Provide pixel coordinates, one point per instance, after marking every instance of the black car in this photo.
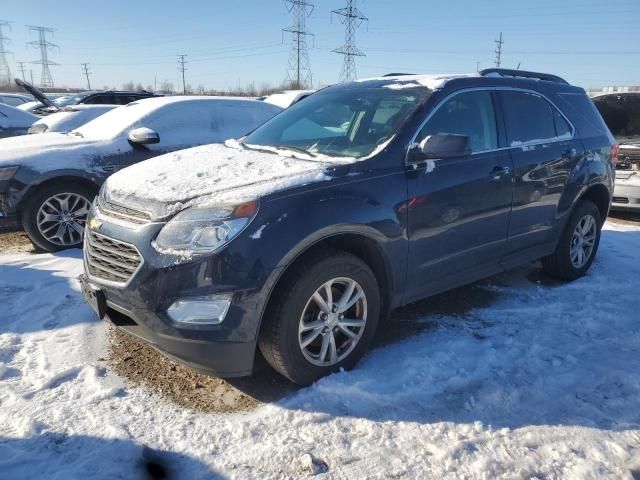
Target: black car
(299, 239)
(92, 97)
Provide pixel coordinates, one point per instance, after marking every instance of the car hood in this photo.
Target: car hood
(45, 152)
(207, 175)
(37, 94)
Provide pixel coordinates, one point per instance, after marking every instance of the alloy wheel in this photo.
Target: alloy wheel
(332, 322)
(583, 241)
(61, 218)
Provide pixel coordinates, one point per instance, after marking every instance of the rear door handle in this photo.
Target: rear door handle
(498, 172)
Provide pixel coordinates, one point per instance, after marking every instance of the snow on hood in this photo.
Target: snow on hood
(207, 175)
(49, 150)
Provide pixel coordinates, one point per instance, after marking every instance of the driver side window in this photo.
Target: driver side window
(468, 113)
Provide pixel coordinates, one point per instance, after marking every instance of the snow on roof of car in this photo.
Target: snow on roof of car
(120, 118)
(432, 82)
(287, 98)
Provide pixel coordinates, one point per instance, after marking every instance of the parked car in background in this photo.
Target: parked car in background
(621, 113)
(110, 97)
(287, 98)
(14, 122)
(47, 182)
(69, 118)
(363, 197)
(13, 99)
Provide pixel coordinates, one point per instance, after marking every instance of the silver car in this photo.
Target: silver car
(621, 112)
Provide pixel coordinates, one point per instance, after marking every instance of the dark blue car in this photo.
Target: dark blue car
(301, 237)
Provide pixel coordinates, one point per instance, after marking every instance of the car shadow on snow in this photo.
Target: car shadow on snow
(58, 455)
(516, 350)
(37, 293)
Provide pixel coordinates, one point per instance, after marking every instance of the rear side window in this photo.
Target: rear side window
(468, 113)
(563, 129)
(101, 99)
(528, 117)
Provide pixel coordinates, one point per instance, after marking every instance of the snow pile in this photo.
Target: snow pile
(288, 98)
(206, 175)
(543, 383)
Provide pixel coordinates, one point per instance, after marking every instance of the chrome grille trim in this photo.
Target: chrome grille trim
(109, 260)
(124, 213)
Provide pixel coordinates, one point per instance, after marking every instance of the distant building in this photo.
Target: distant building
(614, 89)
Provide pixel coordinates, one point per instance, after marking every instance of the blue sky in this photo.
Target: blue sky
(590, 42)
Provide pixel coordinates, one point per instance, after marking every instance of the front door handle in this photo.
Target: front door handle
(498, 172)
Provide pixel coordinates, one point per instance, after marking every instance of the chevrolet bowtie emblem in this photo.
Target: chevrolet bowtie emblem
(95, 224)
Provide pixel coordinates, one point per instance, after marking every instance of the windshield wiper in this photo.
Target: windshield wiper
(296, 149)
(76, 134)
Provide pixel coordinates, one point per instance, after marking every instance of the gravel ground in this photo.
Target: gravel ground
(142, 366)
(15, 242)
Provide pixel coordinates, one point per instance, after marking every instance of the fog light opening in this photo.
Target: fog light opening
(209, 310)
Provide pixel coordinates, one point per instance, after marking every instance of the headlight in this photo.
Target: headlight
(204, 230)
(7, 172)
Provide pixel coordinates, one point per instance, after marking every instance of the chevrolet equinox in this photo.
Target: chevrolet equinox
(298, 239)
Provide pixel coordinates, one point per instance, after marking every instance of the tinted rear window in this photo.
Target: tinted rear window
(528, 117)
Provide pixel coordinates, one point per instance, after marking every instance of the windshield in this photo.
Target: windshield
(342, 122)
(114, 122)
(621, 113)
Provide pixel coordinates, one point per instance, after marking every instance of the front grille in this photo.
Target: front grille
(110, 259)
(123, 213)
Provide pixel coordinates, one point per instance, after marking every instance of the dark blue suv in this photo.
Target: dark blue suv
(299, 239)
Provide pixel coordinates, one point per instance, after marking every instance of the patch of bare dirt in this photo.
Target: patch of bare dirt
(141, 365)
(15, 242)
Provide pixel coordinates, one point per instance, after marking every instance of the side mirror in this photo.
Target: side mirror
(144, 136)
(440, 145)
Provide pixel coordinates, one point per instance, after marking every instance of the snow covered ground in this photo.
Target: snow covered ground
(542, 383)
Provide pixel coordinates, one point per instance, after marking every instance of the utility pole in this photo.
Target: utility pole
(22, 70)
(299, 69)
(85, 70)
(31, 74)
(352, 18)
(5, 71)
(499, 43)
(181, 68)
(477, 66)
(44, 45)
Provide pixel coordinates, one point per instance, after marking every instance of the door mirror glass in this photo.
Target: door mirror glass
(144, 136)
(441, 145)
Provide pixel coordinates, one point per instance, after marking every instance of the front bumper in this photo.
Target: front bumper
(139, 306)
(8, 218)
(626, 193)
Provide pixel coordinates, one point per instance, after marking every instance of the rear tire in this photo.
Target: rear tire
(578, 244)
(54, 216)
(309, 333)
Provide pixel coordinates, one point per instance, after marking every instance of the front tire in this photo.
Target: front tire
(54, 217)
(578, 244)
(323, 317)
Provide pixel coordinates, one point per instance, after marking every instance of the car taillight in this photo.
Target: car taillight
(615, 148)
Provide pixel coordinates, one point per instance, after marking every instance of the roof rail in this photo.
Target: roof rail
(507, 72)
(397, 74)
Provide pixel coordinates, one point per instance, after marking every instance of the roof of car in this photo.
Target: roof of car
(169, 99)
(435, 82)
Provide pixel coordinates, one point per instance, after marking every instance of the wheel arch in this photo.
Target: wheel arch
(362, 245)
(59, 180)
(600, 196)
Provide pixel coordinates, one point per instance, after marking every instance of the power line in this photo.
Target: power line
(299, 70)
(86, 72)
(352, 18)
(182, 69)
(44, 45)
(5, 71)
(499, 43)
